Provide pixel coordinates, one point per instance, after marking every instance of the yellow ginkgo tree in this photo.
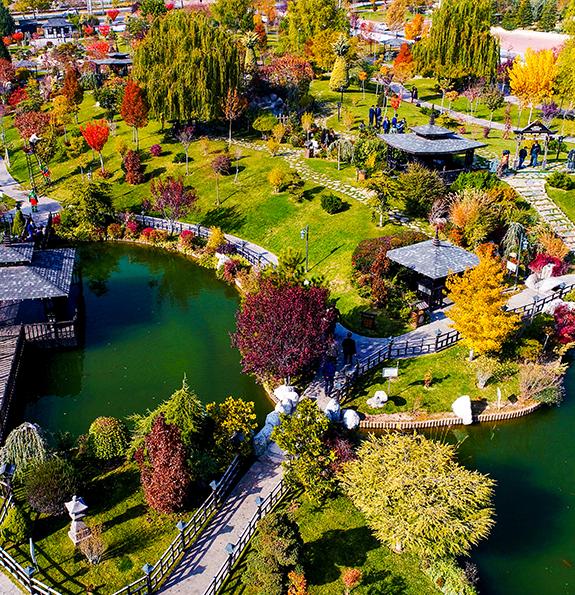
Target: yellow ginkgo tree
(478, 312)
(532, 79)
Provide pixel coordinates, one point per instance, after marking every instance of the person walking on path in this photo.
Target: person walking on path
(535, 152)
(571, 160)
(377, 116)
(349, 349)
(386, 125)
(522, 157)
(329, 370)
(33, 202)
(371, 116)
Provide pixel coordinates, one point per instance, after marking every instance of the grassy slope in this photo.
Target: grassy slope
(336, 537)
(132, 532)
(564, 199)
(452, 374)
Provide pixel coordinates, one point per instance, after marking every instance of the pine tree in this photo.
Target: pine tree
(339, 79)
(478, 298)
(7, 26)
(459, 43)
(524, 15)
(549, 16)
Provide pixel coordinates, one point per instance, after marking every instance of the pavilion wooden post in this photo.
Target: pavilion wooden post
(546, 150)
(517, 145)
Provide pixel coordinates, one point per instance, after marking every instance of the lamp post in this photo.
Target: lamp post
(147, 568)
(304, 234)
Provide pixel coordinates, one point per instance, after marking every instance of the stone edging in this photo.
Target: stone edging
(379, 422)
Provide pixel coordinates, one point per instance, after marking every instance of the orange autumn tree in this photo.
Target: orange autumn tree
(134, 109)
(96, 134)
(403, 64)
(414, 28)
(478, 311)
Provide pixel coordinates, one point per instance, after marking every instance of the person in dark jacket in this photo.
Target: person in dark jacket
(349, 349)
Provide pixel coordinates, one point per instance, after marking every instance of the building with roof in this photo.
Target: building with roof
(431, 262)
(434, 146)
(59, 28)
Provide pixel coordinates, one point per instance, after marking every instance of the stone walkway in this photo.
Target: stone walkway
(531, 186)
(202, 562)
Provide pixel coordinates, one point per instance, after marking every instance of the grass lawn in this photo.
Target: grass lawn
(564, 199)
(132, 532)
(336, 537)
(6, 203)
(452, 374)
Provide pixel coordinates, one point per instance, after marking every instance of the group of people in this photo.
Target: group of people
(326, 138)
(533, 153)
(32, 232)
(329, 367)
(376, 120)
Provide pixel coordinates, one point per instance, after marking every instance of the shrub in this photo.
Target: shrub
(277, 178)
(158, 236)
(222, 165)
(296, 141)
(265, 123)
(542, 260)
(18, 224)
(25, 445)
(273, 146)
(155, 150)
(186, 239)
(332, 204)
(421, 187)
(93, 547)
(232, 267)
(449, 577)
(146, 234)
(16, 527)
(108, 438)
(428, 379)
(542, 382)
(114, 231)
(478, 180)
(104, 174)
(216, 240)
(121, 146)
(485, 369)
(227, 248)
(562, 180)
(49, 484)
(529, 350)
(132, 228)
(132, 164)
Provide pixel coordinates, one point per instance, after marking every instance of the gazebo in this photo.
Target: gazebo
(435, 147)
(534, 130)
(432, 261)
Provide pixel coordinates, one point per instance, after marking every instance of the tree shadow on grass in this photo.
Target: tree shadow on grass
(228, 218)
(383, 582)
(128, 515)
(154, 173)
(336, 549)
(330, 253)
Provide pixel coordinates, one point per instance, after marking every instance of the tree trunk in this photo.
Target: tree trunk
(381, 218)
(471, 355)
(530, 114)
(187, 162)
(230, 133)
(101, 161)
(217, 190)
(137, 137)
(397, 547)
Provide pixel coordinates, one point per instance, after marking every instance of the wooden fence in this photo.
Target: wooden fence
(151, 581)
(261, 259)
(266, 506)
(538, 304)
(53, 334)
(24, 576)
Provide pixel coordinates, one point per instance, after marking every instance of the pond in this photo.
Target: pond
(150, 317)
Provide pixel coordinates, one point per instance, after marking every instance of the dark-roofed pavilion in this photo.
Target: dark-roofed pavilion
(432, 261)
(434, 146)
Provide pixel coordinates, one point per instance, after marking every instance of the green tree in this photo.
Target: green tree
(386, 189)
(302, 435)
(417, 498)
(24, 445)
(339, 79)
(18, 223)
(49, 484)
(524, 16)
(91, 204)
(459, 43)
(306, 18)
(186, 65)
(277, 549)
(7, 26)
(237, 15)
(419, 189)
(152, 8)
(549, 16)
(108, 438)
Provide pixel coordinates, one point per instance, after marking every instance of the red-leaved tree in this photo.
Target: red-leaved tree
(29, 123)
(283, 330)
(171, 197)
(133, 166)
(72, 89)
(112, 14)
(542, 260)
(134, 109)
(96, 134)
(104, 30)
(404, 56)
(163, 470)
(564, 324)
(291, 73)
(233, 107)
(98, 50)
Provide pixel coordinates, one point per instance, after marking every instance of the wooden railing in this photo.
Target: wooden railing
(538, 304)
(252, 256)
(24, 576)
(266, 506)
(52, 334)
(150, 582)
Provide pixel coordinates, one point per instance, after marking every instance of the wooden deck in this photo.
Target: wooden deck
(11, 347)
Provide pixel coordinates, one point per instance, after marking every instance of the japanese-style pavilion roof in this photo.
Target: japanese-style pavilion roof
(49, 275)
(536, 127)
(434, 259)
(418, 144)
(14, 254)
(113, 61)
(432, 131)
(58, 22)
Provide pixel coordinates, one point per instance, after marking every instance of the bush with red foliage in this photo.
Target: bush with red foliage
(98, 50)
(283, 330)
(155, 150)
(132, 165)
(542, 260)
(132, 228)
(343, 450)
(17, 96)
(290, 73)
(163, 470)
(104, 30)
(187, 239)
(29, 123)
(564, 324)
(112, 14)
(17, 36)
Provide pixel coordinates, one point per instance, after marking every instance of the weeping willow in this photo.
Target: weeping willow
(459, 43)
(186, 65)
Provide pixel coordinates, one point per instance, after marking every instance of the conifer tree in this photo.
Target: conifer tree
(7, 26)
(524, 17)
(549, 16)
(339, 79)
(459, 43)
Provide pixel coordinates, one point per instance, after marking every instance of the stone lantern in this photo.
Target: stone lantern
(77, 510)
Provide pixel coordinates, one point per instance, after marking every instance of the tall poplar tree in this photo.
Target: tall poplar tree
(185, 65)
(459, 43)
(7, 26)
(524, 17)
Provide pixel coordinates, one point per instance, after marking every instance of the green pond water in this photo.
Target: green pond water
(153, 316)
(150, 318)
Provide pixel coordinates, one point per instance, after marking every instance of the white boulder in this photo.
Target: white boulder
(378, 400)
(285, 393)
(333, 410)
(222, 259)
(285, 407)
(462, 408)
(350, 419)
